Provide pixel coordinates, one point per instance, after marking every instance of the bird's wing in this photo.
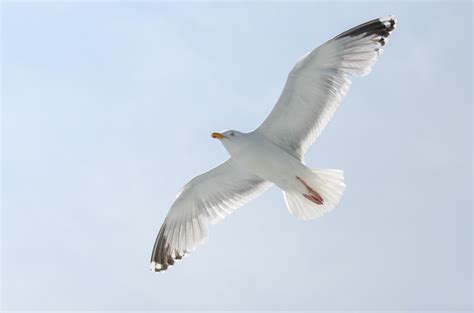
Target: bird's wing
(207, 198)
(317, 83)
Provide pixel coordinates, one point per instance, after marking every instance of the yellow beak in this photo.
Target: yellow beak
(217, 135)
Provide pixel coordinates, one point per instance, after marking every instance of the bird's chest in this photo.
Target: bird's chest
(269, 162)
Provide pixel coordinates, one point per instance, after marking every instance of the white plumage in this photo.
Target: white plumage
(273, 153)
(207, 198)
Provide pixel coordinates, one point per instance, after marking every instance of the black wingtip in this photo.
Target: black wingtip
(162, 260)
(381, 27)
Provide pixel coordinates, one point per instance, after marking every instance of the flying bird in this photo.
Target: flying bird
(273, 153)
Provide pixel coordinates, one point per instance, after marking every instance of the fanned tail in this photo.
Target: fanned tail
(324, 192)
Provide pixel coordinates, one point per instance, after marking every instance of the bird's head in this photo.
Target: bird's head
(230, 139)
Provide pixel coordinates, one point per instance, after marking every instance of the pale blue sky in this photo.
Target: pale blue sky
(107, 110)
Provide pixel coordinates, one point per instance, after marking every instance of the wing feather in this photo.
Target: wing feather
(207, 198)
(319, 81)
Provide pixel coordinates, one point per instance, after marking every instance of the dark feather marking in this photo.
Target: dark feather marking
(374, 27)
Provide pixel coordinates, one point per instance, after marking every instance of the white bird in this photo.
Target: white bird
(273, 153)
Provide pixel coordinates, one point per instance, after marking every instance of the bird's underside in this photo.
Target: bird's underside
(275, 150)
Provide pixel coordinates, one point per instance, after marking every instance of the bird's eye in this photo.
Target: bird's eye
(232, 133)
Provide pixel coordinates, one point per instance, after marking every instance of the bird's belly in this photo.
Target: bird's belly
(271, 163)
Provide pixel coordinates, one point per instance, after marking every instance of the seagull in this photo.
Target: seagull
(273, 153)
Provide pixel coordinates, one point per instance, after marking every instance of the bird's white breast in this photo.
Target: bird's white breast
(265, 159)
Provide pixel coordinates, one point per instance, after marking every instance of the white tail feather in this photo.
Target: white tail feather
(328, 183)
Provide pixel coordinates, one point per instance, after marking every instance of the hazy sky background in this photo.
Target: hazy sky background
(107, 112)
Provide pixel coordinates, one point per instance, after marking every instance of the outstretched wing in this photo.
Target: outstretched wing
(317, 83)
(207, 198)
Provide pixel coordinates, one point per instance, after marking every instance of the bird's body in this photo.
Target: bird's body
(263, 158)
(273, 153)
(256, 154)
